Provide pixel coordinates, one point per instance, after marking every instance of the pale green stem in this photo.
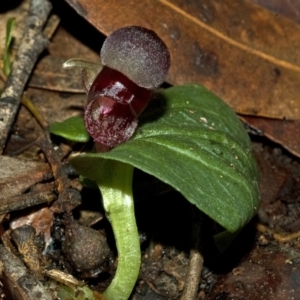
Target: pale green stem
(116, 189)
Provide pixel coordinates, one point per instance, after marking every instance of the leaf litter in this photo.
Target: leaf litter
(255, 262)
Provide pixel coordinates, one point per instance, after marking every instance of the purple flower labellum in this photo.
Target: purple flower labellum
(114, 103)
(135, 61)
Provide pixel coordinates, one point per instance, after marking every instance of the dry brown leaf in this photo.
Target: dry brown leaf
(41, 220)
(56, 107)
(272, 176)
(287, 8)
(285, 133)
(245, 54)
(18, 175)
(49, 73)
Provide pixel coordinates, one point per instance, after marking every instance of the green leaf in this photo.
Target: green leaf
(72, 129)
(6, 58)
(194, 142)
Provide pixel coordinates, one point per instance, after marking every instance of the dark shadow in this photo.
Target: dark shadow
(77, 26)
(266, 142)
(222, 263)
(9, 5)
(156, 108)
(165, 216)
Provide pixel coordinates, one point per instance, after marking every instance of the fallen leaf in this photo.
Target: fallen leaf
(272, 175)
(41, 220)
(57, 107)
(243, 53)
(287, 8)
(279, 276)
(18, 175)
(53, 106)
(49, 73)
(283, 132)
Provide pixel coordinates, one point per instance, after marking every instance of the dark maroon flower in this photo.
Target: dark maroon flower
(135, 61)
(139, 54)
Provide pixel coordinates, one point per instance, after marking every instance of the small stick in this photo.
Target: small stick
(26, 200)
(279, 237)
(34, 111)
(68, 197)
(21, 282)
(196, 259)
(54, 158)
(32, 44)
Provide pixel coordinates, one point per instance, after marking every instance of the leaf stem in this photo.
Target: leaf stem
(116, 189)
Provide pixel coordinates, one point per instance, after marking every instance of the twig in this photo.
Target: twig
(32, 44)
(34, 111)
(196, 259)
(51, 26)
(68, 197)
(21, 282)
(26, 200)
(54, 158)
(282, 238)
(24, 238)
